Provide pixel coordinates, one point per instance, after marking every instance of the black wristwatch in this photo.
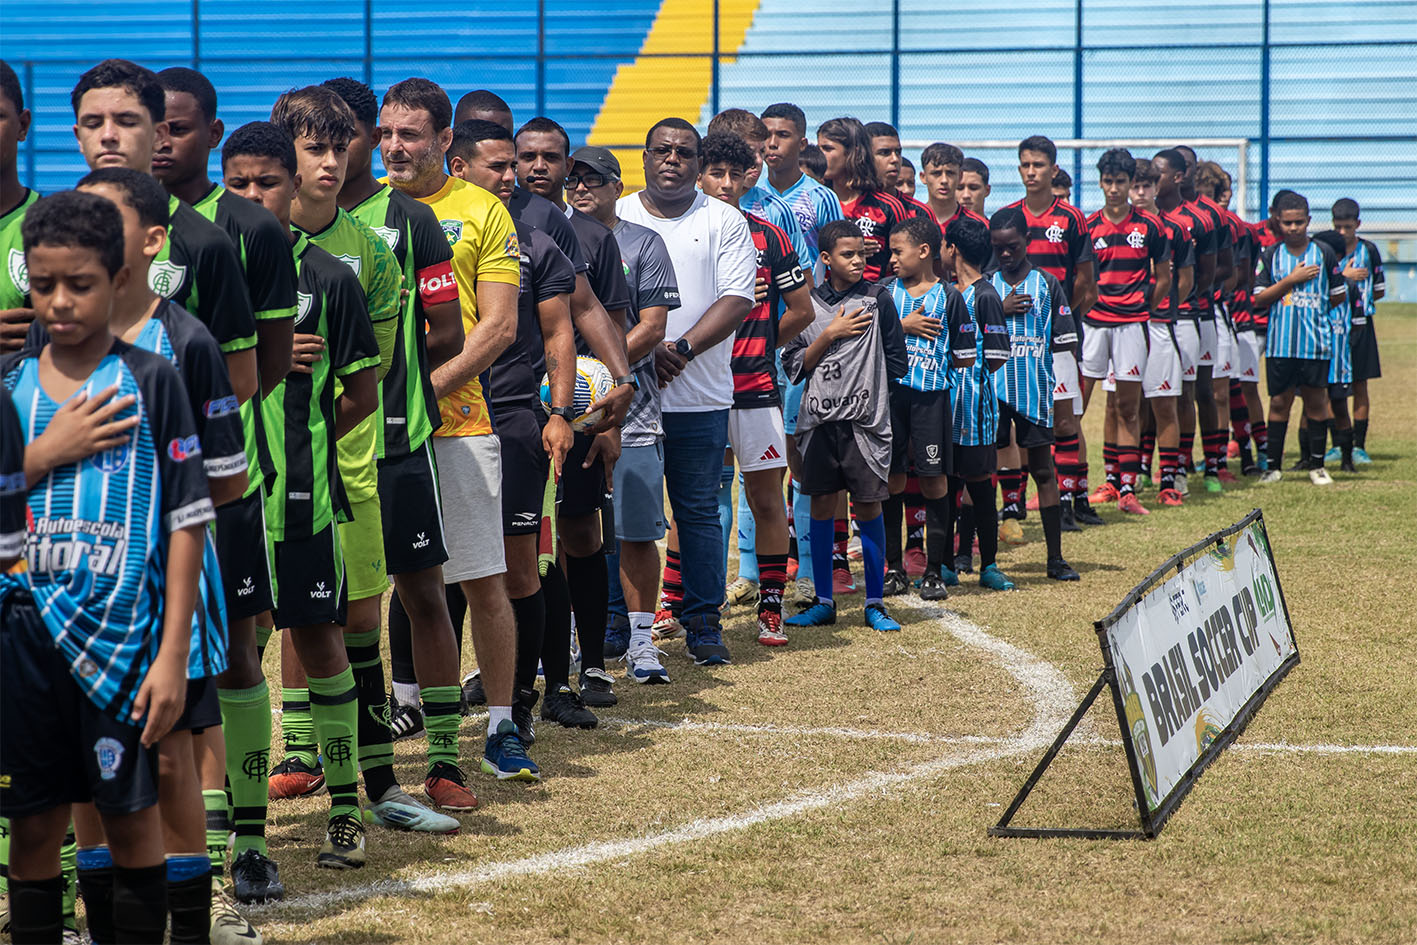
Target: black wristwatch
(565, 413)
(630, 379)
(686, 350)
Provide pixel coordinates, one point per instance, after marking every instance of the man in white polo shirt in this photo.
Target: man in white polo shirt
(715, 263)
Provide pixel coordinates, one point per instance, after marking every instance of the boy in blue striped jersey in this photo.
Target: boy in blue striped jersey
(1298, 280)
(1040, 325)
(939, 335)
(1363, 265)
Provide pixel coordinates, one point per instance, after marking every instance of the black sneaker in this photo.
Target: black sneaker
(256, 878)
(597, 688)
(896, 583)
(472, 691)
(1067, 520)
(405, 721)
(932, 586)
(1085, 513)
(703, 638)
(964, 564)
(1302, 465)
(565, 708)
(1347, 465)
(522, 704)
(1060, 570)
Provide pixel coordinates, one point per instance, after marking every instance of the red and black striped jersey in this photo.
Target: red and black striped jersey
(915, 208)
(1243, 256)
(1125, 253)
(875, 213)
(1264, 238)
(1057, 241)
(1224, 237)
(1183, 255)
(753, 362)
(960, 211)
(1201, 226)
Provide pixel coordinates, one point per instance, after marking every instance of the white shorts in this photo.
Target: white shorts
(1209, 343)
(1163, 362)
(1188, 344)
(1066, 385)
(755, 433)
(1225, 353)
(1122, 348)
(1248, 346)
(470, 483)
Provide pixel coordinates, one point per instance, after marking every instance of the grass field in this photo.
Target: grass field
(839, 790)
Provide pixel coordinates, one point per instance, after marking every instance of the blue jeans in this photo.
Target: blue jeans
(693, 459)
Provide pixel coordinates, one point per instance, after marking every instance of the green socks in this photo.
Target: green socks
(297, 725)
(376, 742)
(335, 708)
(218, 826)
(441, 717)
(246, 721)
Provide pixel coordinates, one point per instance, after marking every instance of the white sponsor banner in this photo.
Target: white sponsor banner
(1193, 651)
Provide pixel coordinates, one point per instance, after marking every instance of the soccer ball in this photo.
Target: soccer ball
(593, 381)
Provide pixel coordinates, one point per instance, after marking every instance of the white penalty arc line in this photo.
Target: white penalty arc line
(1047, 690)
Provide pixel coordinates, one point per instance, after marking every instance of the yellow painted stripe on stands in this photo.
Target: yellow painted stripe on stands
(659, 84)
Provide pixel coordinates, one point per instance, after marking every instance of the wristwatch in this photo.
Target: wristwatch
(686, 350)
(565, 413)
(630, 379)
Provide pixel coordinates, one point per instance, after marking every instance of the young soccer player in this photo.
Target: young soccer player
(967, 251)
(852, 174)
(940, 168)
(849, 353)
(1363, 265)
(812, 162)
(15, 199)
(905, 186)
(307, 417)
(1040, 326)
(98, 625)
(1340, 364)
(973, 190)
(1299, 281)
(1204, 182)
(885, 151)
(939, 336)
(1134, 276)
(1063, 185)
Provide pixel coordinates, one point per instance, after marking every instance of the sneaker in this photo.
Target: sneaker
(1144, 481)
(1333, 455)
(804, 591)
(446, 787)
(878, 619)
(1170, 497)
(597, 688)
(1067, 518)
(1320, 477)
(1085, 513)
(565, 708)
(229, 927)
(1347, 465)
(932, 586)
(915, 562)
(1226, 476)
(523, 701)
(1271, 475)
(842, 581)
(896, 583)
(964, 564)
(1262, 460)
(1361, 457)
(254, 878)
(741, 591)
(820, 614)
(770, 628)
(398, 811)
(505, 756)
(1232, 450)
(1213, 486)
(1131, 504)
(406, 721)
(1251, 468)
(617, 639)
(344, 843)
(705, 643)
(1060, 570)
(1032, 504)
(1011, 532)
(294, 778)
(1182, 486)
(1302, 465)
(993, 579)
(853, 548)
(472, 691)
(666, 625)
(644, 665)
(792, 565)
(1105, 495)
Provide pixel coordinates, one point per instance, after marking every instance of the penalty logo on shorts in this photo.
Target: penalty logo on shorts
(109, 752)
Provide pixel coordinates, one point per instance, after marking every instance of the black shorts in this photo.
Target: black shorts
(973, 462)
(920, 431)
(582, 490)
(411, 511)
(1365, 353)
(57, 747)
(525, 466)
(310, 580)
(1340, 391)
(203, 710)
(244, 557)
(831, 462)
(1030, 434)
(1286, 374)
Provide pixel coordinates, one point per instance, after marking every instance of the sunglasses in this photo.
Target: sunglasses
(663, 151)
(591, 181)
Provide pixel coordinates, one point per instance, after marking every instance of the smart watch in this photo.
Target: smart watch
(565, 413)
(686, 350)
(630, 379)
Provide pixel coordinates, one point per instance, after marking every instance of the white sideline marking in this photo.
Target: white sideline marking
(1048, 692)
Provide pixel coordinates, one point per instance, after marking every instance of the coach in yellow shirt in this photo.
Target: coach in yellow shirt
(415, 125)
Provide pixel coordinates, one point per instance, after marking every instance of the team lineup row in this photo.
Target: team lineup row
(365, 369)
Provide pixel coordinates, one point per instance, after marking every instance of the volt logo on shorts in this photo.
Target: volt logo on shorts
(770, 453)
(320, 592)
(247, 588)
(422, 540)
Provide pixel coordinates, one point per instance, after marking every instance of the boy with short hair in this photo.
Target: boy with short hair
(1340, 365)
(98, 625)
(1363, 266)
(813, 163)
(885, 151)
(939, 337)
(1299, 281)
(973, 189)
(905, 186)
(1063, 185)
(849, 353)
(940, 168)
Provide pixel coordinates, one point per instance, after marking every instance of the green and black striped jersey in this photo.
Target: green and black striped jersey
(15, 280)
(412, 231)
(197, 268)
(300, 412)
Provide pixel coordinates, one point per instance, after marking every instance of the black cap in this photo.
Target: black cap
(600, 159)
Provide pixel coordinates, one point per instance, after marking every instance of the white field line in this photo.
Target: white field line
(1046, 690)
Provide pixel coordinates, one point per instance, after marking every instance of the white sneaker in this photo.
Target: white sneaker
(1320, 477)
(805, 590)
(741, 591)
(229, 927)
(1181, 484)
(643, 665)
(1271, 475)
